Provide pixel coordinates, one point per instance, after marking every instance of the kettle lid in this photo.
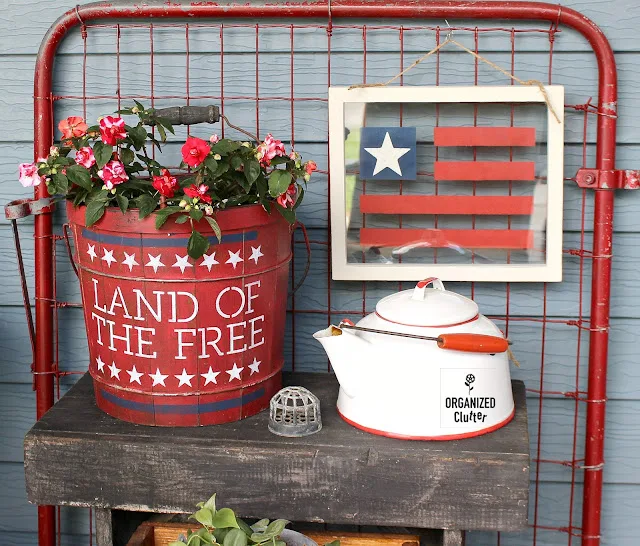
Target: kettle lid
(429, 307)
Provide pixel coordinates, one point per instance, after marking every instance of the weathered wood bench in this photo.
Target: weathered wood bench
(78, 456)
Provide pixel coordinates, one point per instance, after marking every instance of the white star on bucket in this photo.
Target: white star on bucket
(92, 251)
(115, 371)
(256, 254)
(154, 261)
(134, 375)
(234, 373)
(158, 378)
(387, 156)
(130, 260)
(184, 378)
(182, 262)
(255, 365)
(234, 258)
(100, 364)
(108, 257)
(209, 260)
(210, 377)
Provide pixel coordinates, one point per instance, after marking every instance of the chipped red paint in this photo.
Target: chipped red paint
(608, 180)
(380, 9)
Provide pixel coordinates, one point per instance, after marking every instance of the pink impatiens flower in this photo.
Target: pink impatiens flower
(111, 130)
(84, 157)
(269, 149)
(28, 175)
(73, 126)
(310, 166)
(214, 138)
(288, 198)
(112, 174)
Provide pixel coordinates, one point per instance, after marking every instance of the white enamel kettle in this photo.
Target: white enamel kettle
(425, 366)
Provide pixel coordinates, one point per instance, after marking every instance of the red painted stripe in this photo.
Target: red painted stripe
(484, 170)
(516, 239)
(484, 136)
(445, 204)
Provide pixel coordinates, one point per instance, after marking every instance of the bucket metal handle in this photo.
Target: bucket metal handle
(67, 244)
(307, 243)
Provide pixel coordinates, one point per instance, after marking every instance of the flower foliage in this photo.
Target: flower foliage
(110, 165)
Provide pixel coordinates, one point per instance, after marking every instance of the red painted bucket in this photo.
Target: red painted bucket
(180, 342)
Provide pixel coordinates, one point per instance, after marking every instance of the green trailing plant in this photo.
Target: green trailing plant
(221, 527)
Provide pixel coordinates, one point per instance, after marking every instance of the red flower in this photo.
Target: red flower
(198, 191)
(194, 151)
(113, 173)
(85, 157)
(288, 198)
(166, 184)
(310, 166)
(269, 149)
(73, 126)
(112, 130)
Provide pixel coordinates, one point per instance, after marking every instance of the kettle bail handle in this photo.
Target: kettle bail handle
(419, 291)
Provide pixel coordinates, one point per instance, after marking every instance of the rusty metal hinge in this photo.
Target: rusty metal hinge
(608, 180)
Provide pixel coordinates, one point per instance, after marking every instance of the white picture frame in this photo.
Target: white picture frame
(549, 271)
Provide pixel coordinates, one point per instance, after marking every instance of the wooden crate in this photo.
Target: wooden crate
(161, 534)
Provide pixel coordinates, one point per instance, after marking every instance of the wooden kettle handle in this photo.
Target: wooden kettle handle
(473, 343)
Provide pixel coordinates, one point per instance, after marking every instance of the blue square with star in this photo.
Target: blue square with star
(388, 153)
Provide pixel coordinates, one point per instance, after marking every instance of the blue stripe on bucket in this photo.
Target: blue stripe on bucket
(179, 409)
(164, 242)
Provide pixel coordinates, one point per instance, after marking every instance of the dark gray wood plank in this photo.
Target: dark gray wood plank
(104, 527)
(453, 538)
(78, 455)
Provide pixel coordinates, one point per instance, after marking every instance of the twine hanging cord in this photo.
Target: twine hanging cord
(537, 83)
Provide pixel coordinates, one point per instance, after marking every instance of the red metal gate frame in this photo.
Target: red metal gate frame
(391, 9)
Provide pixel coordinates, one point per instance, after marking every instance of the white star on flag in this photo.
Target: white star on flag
(92, 251)
(184, 378)
(209, 260)
(255, 365)
(154, 261)
(234, 258)
(210, 377)
(115, 371)
(256, 254)
(134, 375)
(387, 156)
(158, 378)
(108, 257)
(182, 262)
(130, 260)
(234, 373)
(100, 364)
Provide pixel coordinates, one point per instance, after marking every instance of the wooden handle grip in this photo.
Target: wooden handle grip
(473, 343)
(188, 115)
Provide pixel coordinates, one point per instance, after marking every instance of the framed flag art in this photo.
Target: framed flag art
(460, 183)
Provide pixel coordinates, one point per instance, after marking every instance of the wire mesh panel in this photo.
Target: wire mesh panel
(273, 77)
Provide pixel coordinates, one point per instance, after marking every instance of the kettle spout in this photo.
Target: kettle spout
(348, 354)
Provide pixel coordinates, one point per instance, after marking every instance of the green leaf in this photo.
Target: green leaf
(146, 204)
(299, 198)
(163, 133)
(260, 525)
(333, 543)
(215, 227)
(61, 182)
(166, 124)
(205, 535)
(225, 516)
(196, 247)
(95, 211)
(235, 162)
(204, 516)
(123, 202)
(127, 156)
(79, 175)
(176, 543)
(244, 527)
(288, 214)
(125, 111)
(279, 160)
(211, 163)
(102, 153)
(138, 136)
(279, 181)
(252, 170)
(196, 214)
(275, 528)
(162, 215)
(235, 537)
(139, 105)
(225, 146)
(182, 219)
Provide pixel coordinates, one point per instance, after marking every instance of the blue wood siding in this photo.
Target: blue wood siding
(24, 22)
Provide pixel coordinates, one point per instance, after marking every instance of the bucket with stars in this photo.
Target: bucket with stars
(180, 342)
